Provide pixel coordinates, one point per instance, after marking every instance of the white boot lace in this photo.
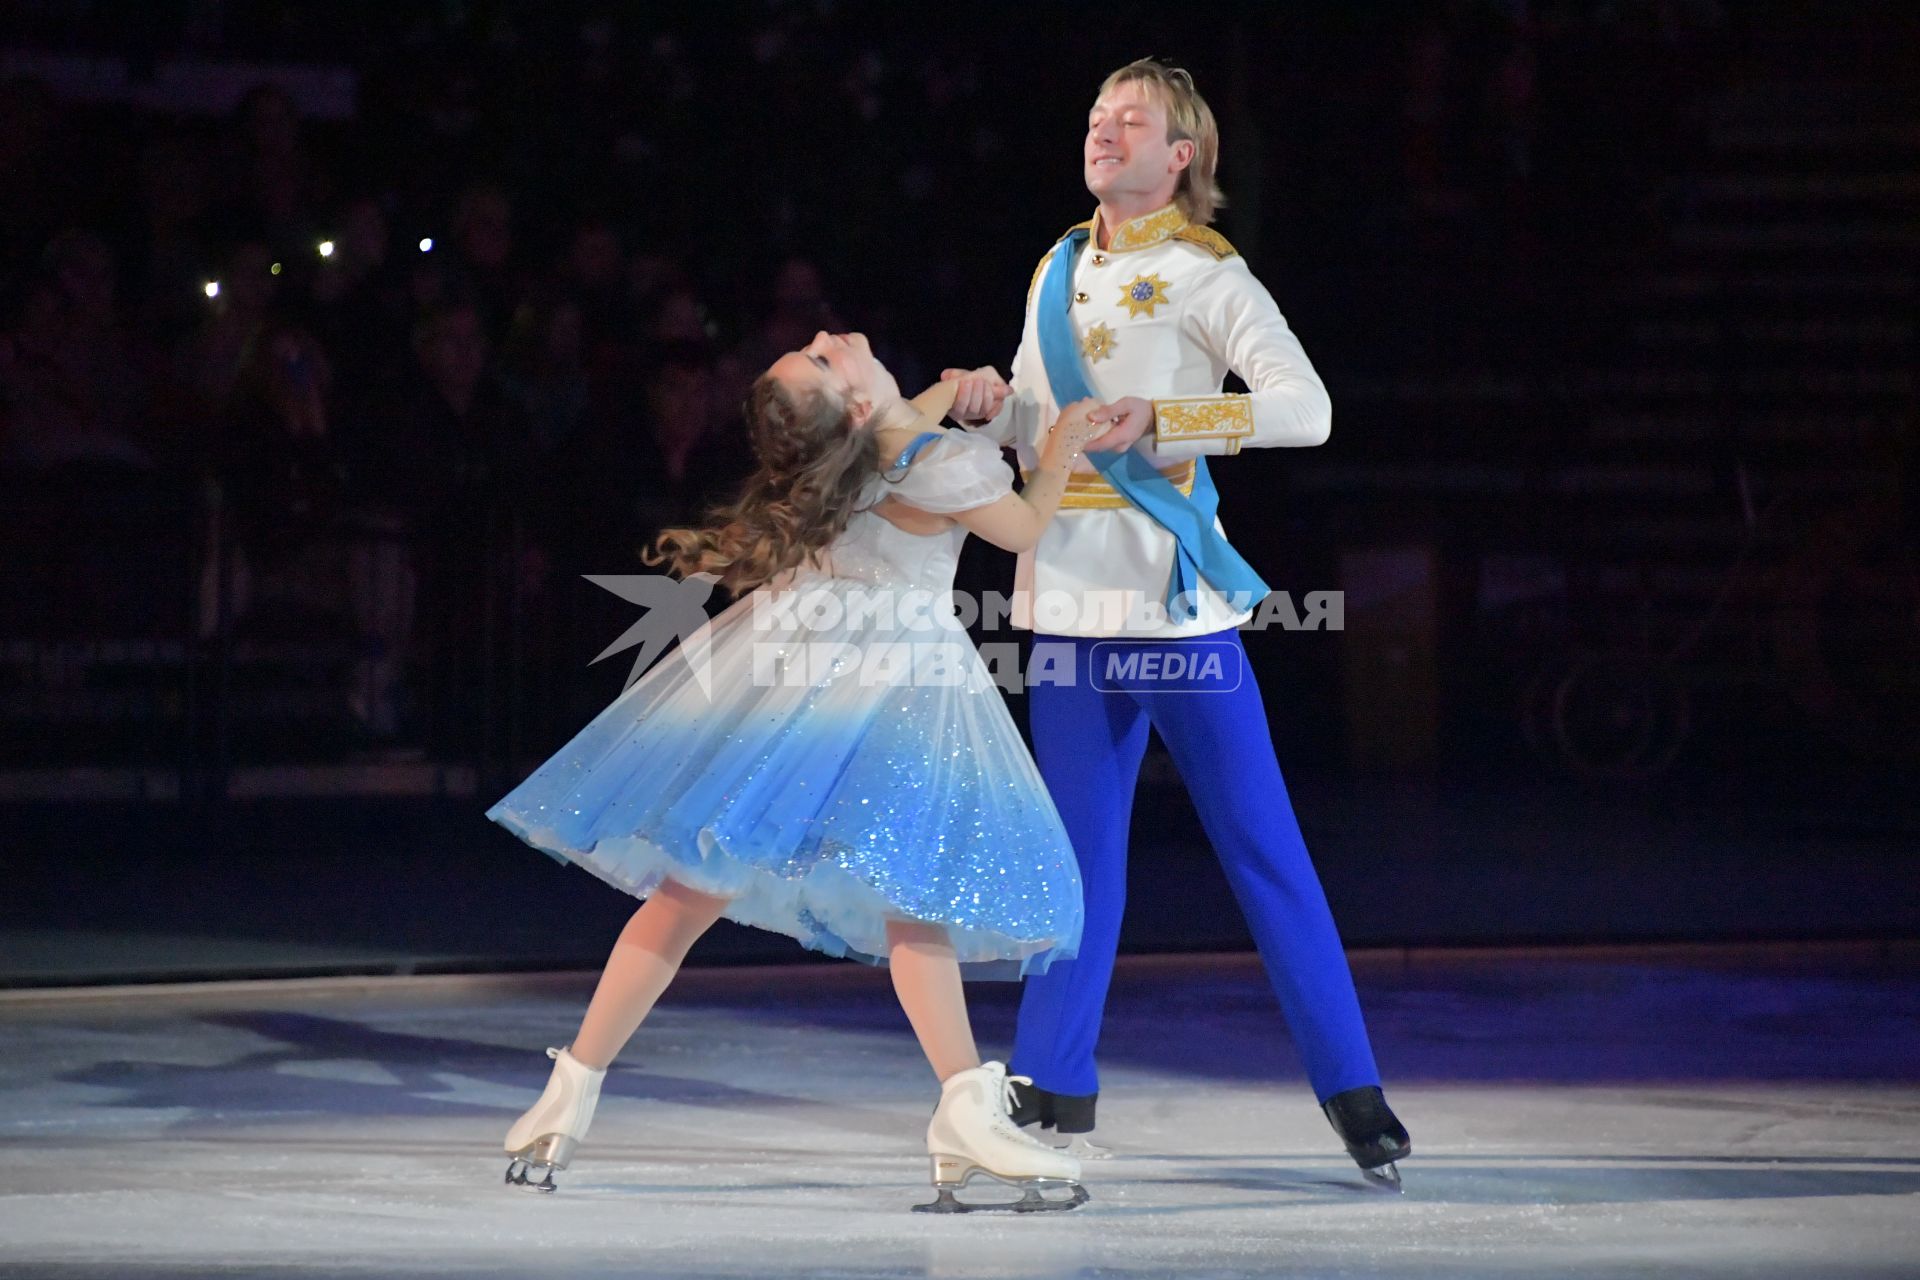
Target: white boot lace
(1003, 1101)
(1007, 1098)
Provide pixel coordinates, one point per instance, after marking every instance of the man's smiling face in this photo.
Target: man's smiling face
(1127, 156)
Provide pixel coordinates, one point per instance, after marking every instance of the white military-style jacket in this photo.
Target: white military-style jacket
(1162, 312)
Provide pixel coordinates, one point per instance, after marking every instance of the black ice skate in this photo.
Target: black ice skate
(1375, 1138)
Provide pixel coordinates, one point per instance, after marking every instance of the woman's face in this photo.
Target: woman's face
(842, 363)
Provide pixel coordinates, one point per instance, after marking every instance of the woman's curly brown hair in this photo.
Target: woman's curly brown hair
(812, 464)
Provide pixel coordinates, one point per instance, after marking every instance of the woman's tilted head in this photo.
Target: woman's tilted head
(811, 418)
(842, 368)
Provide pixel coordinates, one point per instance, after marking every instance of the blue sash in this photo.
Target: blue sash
(1199, 549)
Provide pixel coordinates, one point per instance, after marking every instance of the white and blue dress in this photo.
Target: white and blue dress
(831, 753)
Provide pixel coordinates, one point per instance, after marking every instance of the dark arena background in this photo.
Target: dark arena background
(341, 342)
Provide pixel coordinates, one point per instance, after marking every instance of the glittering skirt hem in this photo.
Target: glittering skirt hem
(830, 907)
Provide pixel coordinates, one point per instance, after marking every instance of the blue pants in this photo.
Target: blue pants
(1089, 737)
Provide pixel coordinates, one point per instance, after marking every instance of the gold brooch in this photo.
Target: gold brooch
(1098, 344)
(1144, 293)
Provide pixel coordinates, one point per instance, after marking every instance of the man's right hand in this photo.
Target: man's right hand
(982, 392)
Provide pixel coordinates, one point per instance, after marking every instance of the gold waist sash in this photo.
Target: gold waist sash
(1091, 490)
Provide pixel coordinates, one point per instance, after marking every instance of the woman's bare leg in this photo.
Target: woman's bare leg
(644, 960)
(926, 977)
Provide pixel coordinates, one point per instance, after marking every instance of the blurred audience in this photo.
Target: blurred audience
(492, 330)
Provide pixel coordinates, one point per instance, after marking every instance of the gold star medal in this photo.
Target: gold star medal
(1143, 293)
(1098, 344)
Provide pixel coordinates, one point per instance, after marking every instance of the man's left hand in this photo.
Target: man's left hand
(1127, 420)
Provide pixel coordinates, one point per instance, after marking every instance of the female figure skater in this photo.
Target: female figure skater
(843, 770)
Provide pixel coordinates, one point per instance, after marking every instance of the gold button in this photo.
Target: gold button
(1099, 259)
(1081, 297)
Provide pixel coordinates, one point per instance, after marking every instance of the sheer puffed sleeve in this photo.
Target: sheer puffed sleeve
(957, 472)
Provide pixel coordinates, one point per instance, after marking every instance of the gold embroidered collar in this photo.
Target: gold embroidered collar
(1141, 232)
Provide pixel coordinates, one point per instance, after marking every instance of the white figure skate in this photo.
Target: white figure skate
(971, 1134)
(546, 1136)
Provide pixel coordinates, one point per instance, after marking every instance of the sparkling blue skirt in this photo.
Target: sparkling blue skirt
(826, 777)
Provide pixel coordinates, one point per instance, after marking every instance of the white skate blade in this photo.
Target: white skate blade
(547, 1153)
(952, 1173)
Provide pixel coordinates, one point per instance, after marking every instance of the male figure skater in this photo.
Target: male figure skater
(1146, 308)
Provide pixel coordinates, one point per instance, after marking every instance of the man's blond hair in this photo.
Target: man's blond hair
(1188, 119)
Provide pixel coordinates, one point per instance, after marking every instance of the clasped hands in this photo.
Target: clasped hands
(982, 392)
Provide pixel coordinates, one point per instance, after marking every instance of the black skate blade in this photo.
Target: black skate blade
(1384, 1178)
(1031, 1202)
(517, 1171)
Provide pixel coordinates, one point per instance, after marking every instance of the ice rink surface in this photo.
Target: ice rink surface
(1679, 1113)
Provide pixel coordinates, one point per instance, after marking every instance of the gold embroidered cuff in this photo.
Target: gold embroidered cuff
(1202, 418)
(1090, 491)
